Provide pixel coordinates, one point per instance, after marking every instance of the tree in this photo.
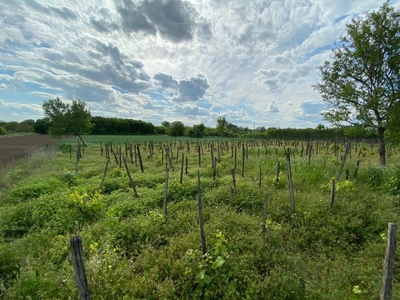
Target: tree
(222, 125)
(361, 84)
(177, 129)
(41, 126)
(67, 119)
(197, 131)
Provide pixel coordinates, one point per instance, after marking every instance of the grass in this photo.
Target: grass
(320, 252)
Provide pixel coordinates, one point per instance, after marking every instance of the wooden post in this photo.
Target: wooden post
(386, 290)
(140, 158)
(133, 185)
(234, 182)
(187, 165)
(333, 192)
(200, 212)
(165, 194)
(289, 174)
(78, 262)
(104, 174)
(183, 160)
(343, 160)
(265, 213)
(259, 181)
(243, 155)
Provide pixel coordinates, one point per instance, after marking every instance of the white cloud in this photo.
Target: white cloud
(252, 56)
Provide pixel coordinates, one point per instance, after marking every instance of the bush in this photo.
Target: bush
(3, 131)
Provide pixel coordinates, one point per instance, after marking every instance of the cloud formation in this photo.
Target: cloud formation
(187, 60)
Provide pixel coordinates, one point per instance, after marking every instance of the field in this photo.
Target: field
(15, 148)
(311, 248)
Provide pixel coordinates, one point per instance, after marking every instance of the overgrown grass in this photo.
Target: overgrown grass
(131, 252)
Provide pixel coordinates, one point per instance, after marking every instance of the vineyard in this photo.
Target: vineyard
(179, 218)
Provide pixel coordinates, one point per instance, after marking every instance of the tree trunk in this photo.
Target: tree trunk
(382, 146)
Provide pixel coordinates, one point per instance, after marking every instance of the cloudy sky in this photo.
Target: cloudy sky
(252, 61)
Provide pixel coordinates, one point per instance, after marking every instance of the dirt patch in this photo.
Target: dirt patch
(15, 148)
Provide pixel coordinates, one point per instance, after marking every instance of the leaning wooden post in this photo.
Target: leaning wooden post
(104, 174)
(265, 214)
(78, 262)
(165, 194)
(343, 160)
(140, 158)
(289, 174)
(386, 290)
(200, 211)
(278, 171)
(133, 185)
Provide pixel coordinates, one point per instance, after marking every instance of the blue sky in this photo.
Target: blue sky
(252, 61)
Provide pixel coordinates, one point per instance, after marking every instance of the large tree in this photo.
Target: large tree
(361, 83)
(66, 119)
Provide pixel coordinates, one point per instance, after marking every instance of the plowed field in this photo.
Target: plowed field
(15, 148)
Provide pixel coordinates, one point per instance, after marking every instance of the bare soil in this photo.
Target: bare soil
(15, 148)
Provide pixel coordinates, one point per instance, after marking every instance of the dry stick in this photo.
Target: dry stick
(289, 174)
(386, 290)
(78, 262)
(140, 158)
(200, 211)
(183, 160)
(104, 174)
(133, 186)
(265, 214)
(165, 194)
(344, 160)
(333, 192)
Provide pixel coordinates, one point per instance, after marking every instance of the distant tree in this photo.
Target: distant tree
(362, 83)
(222, 125)
(11, 126)
(3, 131)
(177, 129)
(197, 131)
(67, 119)
(26, 126)
(166, 124)
(41, 126)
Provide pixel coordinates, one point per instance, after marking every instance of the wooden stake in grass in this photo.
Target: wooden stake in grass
(78, 262)
(133, 185)
(200, 212)
(104, 174)
(233, 190)
(243, 155)
(386, 290)
(259, 181)
(140, 158)
(165, 194)
(333, 192)
(289, 174)
(265, 214)
(183, 160)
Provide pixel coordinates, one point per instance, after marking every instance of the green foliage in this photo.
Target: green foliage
(3, 131)
(361, 84)
(42, 126)
(177, 128)
(67, 119)
(133, 252)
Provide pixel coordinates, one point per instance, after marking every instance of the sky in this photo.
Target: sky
(251, 61)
